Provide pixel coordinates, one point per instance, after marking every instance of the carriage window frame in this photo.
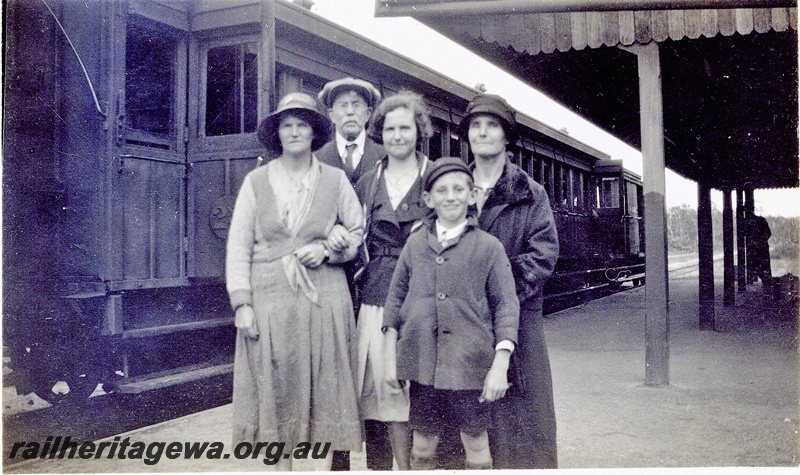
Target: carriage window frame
(547, 177)
(133, 136)
(291, 79)
(608, 192)
(455, 144)
(234, 139)
(578, 199)
(436, 140)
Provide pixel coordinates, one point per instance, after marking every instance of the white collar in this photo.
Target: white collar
(453, 232)
(341, 143)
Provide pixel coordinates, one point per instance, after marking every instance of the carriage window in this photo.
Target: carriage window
(608, 193)
(231, 93)
(455, 145)
(566, 185)
(536, 170)
(525, 162)
(587, 191)
(558, 185)
(294, 80)
(577, 189)
(633, 199)
(547, 177)
(149, 80)
(512, 152)
(435, 144)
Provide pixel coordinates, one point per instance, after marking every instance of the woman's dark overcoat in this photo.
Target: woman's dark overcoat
(517, 212)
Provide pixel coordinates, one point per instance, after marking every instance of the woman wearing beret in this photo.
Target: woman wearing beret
(294, 370)
(516, 210)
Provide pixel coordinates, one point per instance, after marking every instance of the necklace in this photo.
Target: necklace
(401, 179)
(399, 186)
(296, 178)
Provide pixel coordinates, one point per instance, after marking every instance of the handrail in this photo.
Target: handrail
(80, 61)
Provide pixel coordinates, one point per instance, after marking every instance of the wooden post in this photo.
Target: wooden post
(749, 204)
(729, 293)
(749, 208)
(266, 61)
(655, 215)
(705, 254)
(741, 253)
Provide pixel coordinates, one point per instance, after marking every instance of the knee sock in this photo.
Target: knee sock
(422, 463)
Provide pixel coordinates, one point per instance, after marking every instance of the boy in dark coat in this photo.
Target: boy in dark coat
(451, 320)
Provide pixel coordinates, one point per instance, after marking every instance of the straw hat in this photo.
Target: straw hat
(328, 93)
(303, 106)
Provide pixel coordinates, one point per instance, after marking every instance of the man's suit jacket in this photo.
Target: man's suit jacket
(373, 153)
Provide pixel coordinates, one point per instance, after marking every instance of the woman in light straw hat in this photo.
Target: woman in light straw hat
(294, 367)
(516, 210)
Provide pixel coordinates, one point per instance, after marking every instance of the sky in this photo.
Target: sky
(422, 44)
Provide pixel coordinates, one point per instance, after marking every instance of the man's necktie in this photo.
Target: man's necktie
(348, 160)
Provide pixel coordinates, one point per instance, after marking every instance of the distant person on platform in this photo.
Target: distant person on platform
(758, 260)
(350, 103)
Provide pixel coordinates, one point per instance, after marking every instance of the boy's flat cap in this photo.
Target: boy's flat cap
(442, 166)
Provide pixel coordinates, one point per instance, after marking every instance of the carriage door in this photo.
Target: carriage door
(149, 134)
(223, 117)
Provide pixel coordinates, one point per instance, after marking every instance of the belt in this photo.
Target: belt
(386, 251)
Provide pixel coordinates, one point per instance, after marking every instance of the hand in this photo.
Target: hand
(496, 384)
(246, 321)
(339, 238)
(311, 255)
(390, 376)
(390, 359)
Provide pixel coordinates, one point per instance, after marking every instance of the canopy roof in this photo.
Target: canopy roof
(730, 81)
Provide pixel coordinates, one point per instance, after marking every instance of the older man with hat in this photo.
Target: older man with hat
(350, 103)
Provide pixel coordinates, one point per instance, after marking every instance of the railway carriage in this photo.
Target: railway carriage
(129, 127)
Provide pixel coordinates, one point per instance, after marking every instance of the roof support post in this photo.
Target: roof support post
(741, 253)
(655, 215)
(266, 61)
(705, 254)
(729, 294)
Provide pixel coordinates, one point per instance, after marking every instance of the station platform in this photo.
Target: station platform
(732, 398)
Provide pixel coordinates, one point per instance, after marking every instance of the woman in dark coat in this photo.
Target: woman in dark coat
(516, 210)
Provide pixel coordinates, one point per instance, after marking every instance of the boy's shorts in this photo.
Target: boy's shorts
(433, 409)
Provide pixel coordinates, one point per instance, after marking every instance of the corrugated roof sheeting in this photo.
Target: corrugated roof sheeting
(548, 32)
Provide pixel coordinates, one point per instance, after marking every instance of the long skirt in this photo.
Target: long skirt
(297, 381)
(379, 401)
